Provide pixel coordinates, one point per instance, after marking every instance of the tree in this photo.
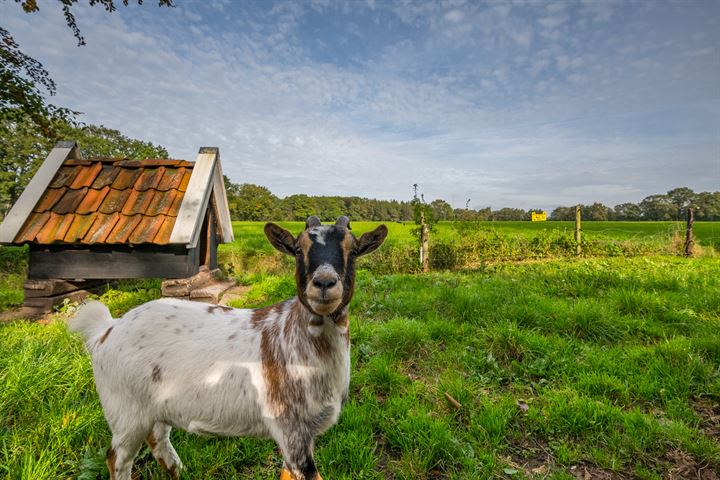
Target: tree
(441, 209)
(510, 214)
(23, 79)
(681, 198)
(596, 212)
(657, 207)
(627, 211)
(707, 206)
(252, 202)
(565, 214)
(23, 148)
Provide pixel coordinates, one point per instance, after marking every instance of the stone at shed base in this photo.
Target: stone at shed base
(181, 287)
(42, 295)
(211, 293)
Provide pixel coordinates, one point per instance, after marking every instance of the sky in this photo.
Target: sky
(518, 104)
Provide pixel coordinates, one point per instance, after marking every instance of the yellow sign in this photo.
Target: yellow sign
(539, 216)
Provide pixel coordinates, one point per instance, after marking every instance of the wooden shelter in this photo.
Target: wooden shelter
(114, 218)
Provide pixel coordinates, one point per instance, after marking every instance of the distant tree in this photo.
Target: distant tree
(681, 198)
(563, 214)
(627, 211)
(596, 212)
(707, 206)
(252, 202)
(441, 209)
(510, 214)
(658, 207)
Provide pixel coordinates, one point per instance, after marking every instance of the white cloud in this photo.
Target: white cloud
(452, 112)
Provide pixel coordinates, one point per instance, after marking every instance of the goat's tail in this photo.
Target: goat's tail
(91, 320)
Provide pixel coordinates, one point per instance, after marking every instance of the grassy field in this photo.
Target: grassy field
(604, 367)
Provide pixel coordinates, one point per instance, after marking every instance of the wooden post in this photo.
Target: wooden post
(424, 244)
(577, 229)
(689, 233)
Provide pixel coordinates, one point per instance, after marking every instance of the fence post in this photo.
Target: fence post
(689, 233)
(424, 246)
(577, 229)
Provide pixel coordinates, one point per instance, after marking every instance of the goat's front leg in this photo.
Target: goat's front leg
(297, 451)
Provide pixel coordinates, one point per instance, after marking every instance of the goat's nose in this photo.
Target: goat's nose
(324, 283)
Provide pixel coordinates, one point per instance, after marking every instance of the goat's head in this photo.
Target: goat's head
(325, 260)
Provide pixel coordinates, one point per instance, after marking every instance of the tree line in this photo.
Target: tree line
(257, 203)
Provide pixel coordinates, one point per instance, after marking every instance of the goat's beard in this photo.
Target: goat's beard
(324, 305)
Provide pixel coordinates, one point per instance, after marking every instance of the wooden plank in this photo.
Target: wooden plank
(221, 205)
(92, 264)
(35, 287)
(28, 199)
(192, 210)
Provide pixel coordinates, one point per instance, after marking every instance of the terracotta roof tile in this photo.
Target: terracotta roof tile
(79, 227)
(63, 177)
(106, 176)
(123, 228)
(32, 226)
(163, 235)
(85, 176)
(172, 177)
(185, 180)
(69, 202)
(92, 200)
(177, 202)
(55, 228)
(162, 201)
(126, 178)
(114, 201)
(149, 178)
(49, 199)
(146, 230)
(138, 202)
(101, 228)
(109, 200)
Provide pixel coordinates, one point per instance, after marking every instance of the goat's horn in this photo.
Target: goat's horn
(312, 221)
(343, 222)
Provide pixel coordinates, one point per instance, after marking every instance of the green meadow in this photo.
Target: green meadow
(514, 359)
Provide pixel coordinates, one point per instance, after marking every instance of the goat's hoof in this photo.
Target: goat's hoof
(286, 475)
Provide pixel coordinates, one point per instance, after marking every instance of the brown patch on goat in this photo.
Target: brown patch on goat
(305, 243)
(259, 315)
(172, 471)
(105, 335)
(156, 373)
(213, 308)
(347, 245)
(151, 441)
(110, 459)
(282, 391)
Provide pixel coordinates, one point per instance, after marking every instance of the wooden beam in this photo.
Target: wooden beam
(192, 209)
(111, 264)
(28, 199)
(221, 204)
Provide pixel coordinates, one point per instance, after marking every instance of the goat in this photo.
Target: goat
(280, 372)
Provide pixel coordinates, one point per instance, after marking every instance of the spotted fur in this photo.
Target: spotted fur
(279, 372)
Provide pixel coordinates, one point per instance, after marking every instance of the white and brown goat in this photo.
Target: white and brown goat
(280, 372)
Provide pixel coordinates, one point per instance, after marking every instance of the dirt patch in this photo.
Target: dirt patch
(533, 457)
(588, 471)
(709, 413)
(684, 466)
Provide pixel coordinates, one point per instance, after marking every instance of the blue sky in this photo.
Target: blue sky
(522, 104)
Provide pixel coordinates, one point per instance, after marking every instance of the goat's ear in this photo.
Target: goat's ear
(370, 241)
(280, 238)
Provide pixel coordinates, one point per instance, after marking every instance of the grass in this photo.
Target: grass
(610, 365)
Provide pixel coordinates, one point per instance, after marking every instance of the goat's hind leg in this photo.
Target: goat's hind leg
(159, 442)
(124, 447)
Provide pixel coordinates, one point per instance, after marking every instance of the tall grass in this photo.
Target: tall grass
(610, 365)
